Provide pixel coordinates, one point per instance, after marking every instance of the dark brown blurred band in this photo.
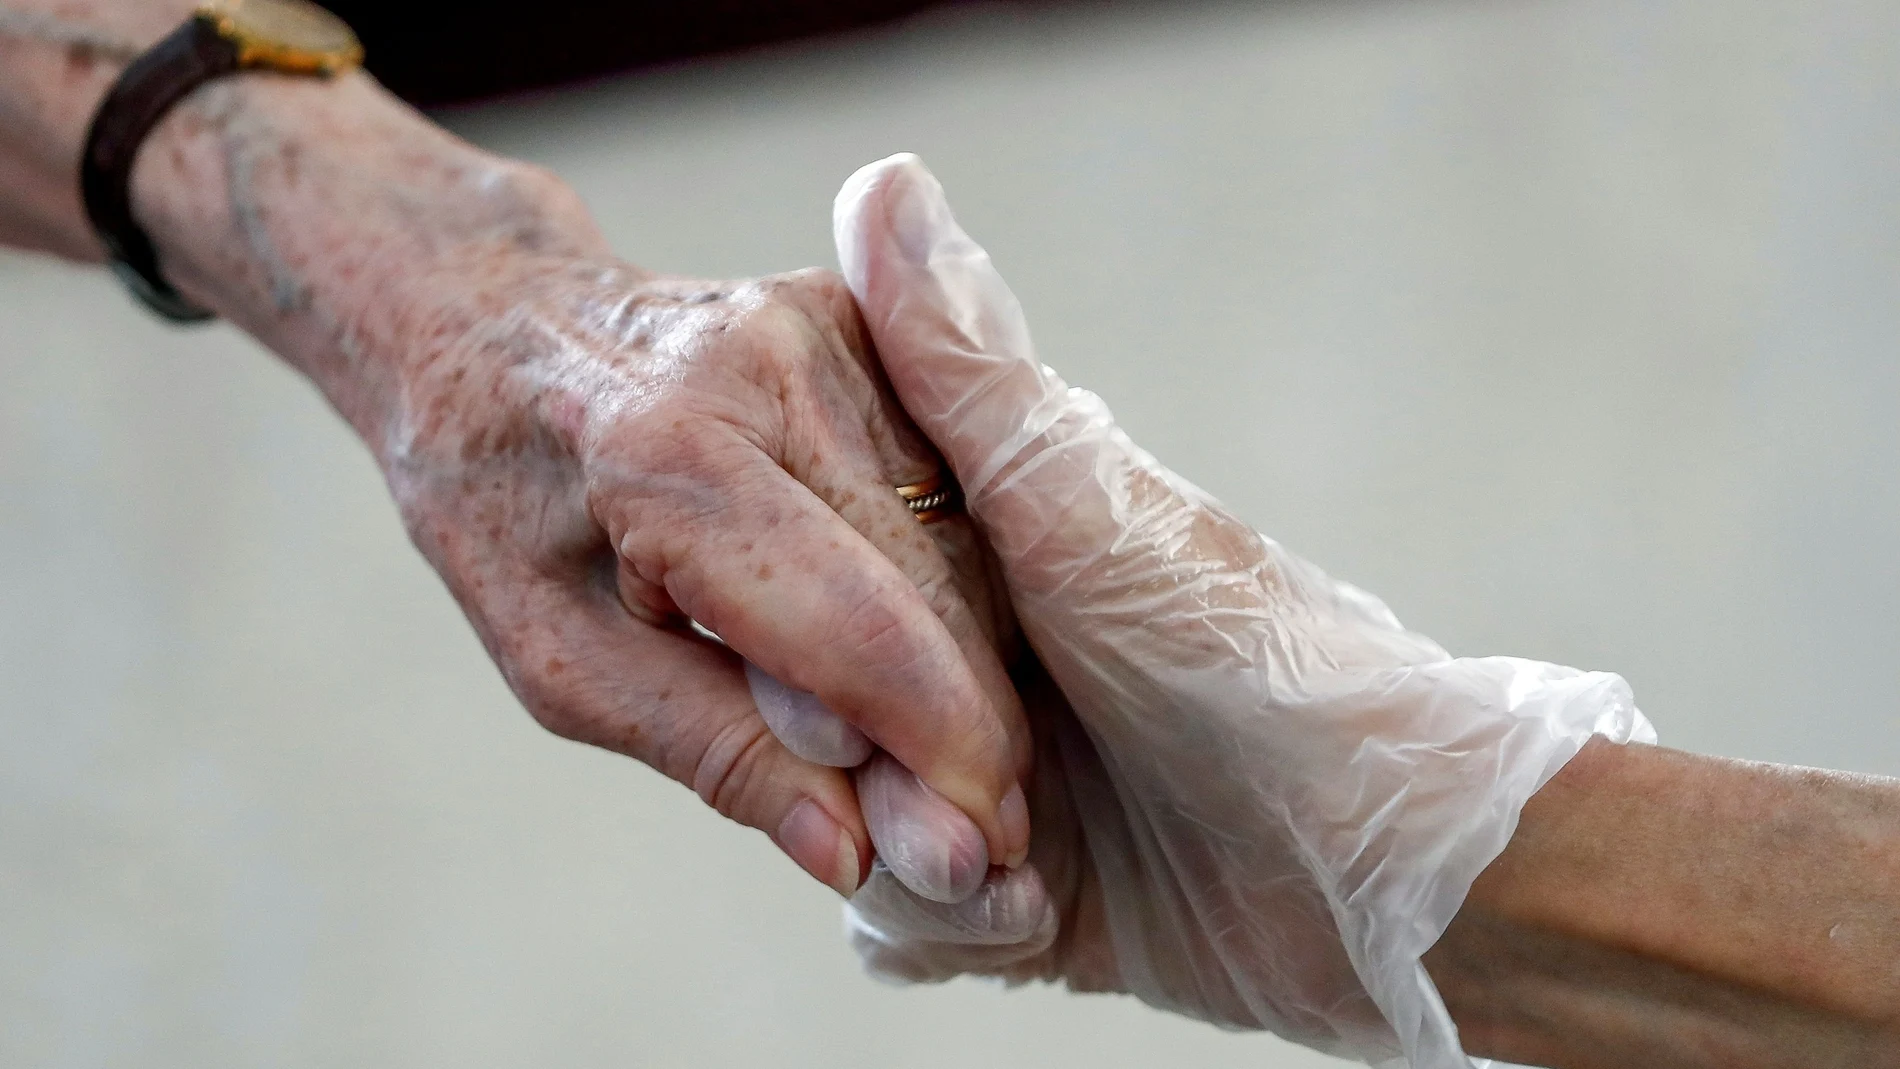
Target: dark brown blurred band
(432, 52)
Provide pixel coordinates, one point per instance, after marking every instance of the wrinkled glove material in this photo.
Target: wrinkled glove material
(1260, 799)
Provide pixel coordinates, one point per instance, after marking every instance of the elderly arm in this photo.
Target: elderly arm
(1665, 909)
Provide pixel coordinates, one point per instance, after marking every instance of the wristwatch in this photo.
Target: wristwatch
(222, 37)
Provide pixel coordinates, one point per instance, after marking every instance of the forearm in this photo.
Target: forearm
(315, 214)
(1662, 909)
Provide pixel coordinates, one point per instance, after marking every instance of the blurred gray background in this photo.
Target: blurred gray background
(1567, 326)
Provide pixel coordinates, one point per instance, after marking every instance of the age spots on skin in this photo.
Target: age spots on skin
(81, 58)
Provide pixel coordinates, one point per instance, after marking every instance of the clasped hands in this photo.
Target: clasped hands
(1115, 737)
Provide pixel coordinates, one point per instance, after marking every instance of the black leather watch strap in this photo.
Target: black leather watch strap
(193, 54)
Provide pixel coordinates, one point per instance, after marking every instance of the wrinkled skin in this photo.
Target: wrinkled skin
(589, 454)
(464, 315)
(609, 457)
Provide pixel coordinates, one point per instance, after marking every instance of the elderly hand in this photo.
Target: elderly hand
(1258, 799)
(592, 457)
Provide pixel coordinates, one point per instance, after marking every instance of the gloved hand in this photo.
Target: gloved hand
(1258, 799)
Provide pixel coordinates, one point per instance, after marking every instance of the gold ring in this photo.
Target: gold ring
(933, 499)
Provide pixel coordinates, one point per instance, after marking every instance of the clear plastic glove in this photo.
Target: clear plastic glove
(1258, 799)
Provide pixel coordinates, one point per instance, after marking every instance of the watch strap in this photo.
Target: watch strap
(148, 88)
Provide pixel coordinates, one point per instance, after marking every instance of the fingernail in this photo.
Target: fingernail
(810, 837)
(932, 868)
(1013, 817)
(848, 874)
(930, 845)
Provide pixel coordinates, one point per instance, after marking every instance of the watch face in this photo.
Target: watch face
(293, 35)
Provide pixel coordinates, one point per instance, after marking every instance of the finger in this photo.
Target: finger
(789, 585)
(590, 672)
(929, 845)
(949, 331)
(853, 452)
(1009, 926)
(1043, 465)
(806, 726)
(850, 442)
(1013, 915)
(1000, 930)
(798, 719)
(1073, 508)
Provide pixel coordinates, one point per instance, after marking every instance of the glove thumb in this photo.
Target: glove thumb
(1033, 456)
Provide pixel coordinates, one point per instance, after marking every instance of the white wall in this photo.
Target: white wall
(1568, 327)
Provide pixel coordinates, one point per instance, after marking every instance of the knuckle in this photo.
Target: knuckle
(887, 628)
(785, 322)
(773, 341)
(642, 445)
(419, 518)
(670, 480)
(732, 766)
(553, 707)
(514, 183)
(820, 284)
(878, 627)
(554, 668)
(940, 593)
(435, 534)
(683, 447)
(801, 287)
(557, 717)
(558, 707)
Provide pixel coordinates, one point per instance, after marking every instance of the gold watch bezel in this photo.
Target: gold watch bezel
(257, 49)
